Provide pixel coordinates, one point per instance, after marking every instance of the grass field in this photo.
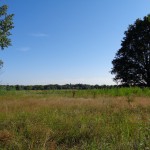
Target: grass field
(106, 119)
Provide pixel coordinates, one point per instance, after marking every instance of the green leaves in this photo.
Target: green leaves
(149, 17)
(131, 64)
(3, 10)
(6, 24)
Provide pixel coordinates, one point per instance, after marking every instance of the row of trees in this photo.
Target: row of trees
(54, 87)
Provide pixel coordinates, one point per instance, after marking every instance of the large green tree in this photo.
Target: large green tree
(6, 24)
(131, 65)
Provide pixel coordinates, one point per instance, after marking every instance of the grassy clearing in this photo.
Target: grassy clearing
(86, 120)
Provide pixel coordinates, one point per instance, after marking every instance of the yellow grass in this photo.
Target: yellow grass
(31, 121)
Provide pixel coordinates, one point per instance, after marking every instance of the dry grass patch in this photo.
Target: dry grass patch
(5, 136)
(42, 122)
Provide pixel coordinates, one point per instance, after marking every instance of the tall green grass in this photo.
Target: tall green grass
(89, 120)
(133, 91)
(136, 91)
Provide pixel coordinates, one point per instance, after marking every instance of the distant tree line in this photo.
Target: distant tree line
(55, 87)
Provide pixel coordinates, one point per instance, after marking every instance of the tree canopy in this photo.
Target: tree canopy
(131, 65)
(6, 24)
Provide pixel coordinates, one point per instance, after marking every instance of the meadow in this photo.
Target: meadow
(103, 119)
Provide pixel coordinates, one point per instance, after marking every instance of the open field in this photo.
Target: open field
(113, 119)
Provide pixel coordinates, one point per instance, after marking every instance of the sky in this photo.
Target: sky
(66, 41)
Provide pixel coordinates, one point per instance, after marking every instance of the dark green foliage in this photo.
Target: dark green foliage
(56, 87)
(131, 64)
(6, 24)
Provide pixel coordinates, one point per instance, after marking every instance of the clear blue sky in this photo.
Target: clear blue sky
(66, 41)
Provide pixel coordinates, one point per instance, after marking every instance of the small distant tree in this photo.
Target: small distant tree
(6, 24)
(131, 65)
